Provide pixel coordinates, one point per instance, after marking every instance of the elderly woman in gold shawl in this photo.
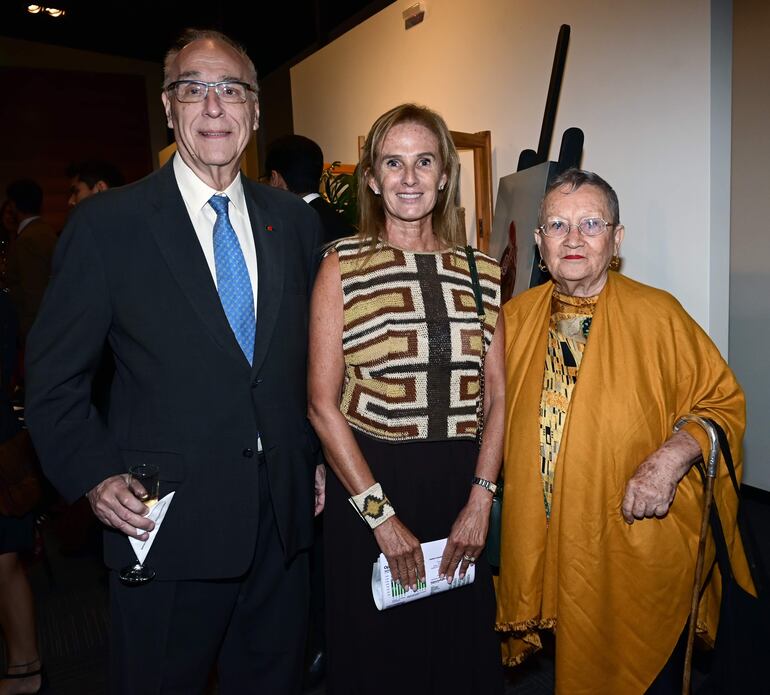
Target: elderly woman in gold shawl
(602, 502)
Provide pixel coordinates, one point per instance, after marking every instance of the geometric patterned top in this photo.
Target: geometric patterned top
(412, 340)
(567, 337)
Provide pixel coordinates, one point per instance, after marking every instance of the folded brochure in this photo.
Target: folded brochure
(157, 512)
(387, 593)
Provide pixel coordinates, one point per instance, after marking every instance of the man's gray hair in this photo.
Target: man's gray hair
(189, 35)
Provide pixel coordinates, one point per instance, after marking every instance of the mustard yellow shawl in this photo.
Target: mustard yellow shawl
(618, 596)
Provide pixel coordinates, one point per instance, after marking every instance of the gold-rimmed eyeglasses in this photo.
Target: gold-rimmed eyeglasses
(192, 91)
(556, 227)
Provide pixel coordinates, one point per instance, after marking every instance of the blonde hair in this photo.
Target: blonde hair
(447, 224)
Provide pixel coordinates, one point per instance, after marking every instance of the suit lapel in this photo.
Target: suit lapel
(266, 225)
(175, 236)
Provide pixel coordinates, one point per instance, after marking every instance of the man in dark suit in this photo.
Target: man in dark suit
(295, 163)
(29, 259)
(199, 281)
(87, 178)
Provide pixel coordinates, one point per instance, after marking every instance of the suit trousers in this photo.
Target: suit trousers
(167, 635)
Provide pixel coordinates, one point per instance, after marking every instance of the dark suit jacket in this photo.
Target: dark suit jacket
(129, 268)
(29, 269)
(334, 225)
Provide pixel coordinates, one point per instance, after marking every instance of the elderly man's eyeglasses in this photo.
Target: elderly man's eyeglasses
(588, 226)
(192, 91)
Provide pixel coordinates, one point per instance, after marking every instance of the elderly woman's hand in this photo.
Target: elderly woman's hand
(651, 490)
(468, 534)
(402, 551)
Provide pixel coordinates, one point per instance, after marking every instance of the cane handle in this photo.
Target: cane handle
(711, 465)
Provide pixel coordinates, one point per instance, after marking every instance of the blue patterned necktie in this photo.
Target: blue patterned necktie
(233, 281)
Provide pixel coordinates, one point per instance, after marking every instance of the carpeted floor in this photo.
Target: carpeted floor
(70, 590)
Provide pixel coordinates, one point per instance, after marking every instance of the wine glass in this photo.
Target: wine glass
(144, 483)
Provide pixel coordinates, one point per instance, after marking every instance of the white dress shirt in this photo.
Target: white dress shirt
(196, 196)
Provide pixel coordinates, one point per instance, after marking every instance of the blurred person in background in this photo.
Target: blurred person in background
(9, 322)
(295, 163)
(90, 177)
(23, 673)
(29, 260)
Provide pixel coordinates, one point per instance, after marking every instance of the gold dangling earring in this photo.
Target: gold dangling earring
(614, 263)
(541, 264)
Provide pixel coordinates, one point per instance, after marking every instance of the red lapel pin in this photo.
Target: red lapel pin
(268, 227)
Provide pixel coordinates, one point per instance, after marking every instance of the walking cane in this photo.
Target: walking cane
(711, 473)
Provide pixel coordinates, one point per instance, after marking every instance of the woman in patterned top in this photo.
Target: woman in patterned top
(602, 504)
(402, 369)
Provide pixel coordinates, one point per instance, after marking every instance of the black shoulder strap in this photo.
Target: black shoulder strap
(475, 280)
(482, 323)
(758, 573)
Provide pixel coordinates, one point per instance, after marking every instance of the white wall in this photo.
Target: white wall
(638, 81)
(750, 244)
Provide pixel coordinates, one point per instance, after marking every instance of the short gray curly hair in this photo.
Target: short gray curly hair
(575, 178)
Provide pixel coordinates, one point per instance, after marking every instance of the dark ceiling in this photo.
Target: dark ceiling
(274, 33)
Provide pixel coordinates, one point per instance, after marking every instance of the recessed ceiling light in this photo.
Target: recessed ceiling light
(51, 11)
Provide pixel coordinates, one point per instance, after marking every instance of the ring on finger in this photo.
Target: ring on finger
(469, 558)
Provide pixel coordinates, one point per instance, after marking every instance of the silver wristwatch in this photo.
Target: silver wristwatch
(488, 484)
